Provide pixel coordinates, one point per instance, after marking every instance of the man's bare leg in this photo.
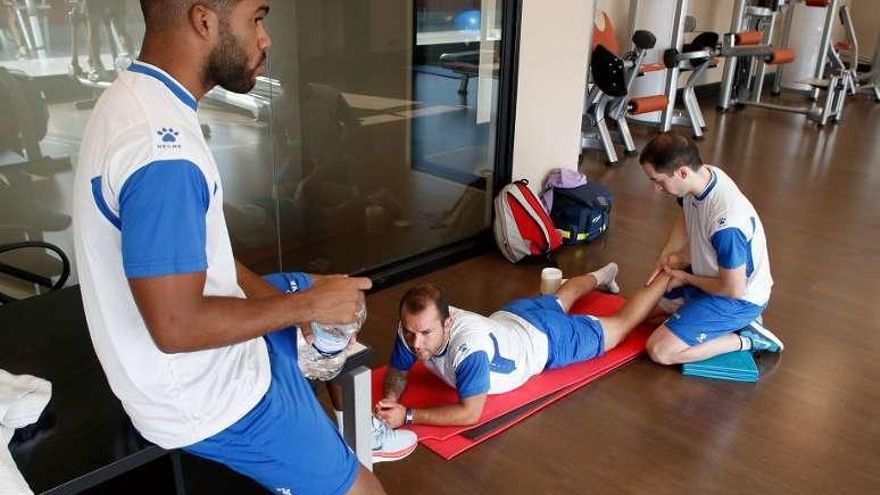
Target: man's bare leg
(577, 287)
(664, 347)
(366, 483)
(636, 309)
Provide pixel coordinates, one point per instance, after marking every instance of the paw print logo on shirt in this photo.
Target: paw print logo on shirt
(722, 221)
(168, 135)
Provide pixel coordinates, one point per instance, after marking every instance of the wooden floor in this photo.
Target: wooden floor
(811, 425)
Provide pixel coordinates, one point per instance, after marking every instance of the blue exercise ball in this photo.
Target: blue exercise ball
(467, 20)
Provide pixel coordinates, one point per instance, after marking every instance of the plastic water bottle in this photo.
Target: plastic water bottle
(323, 359)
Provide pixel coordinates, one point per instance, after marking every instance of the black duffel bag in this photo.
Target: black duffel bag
(582, 214)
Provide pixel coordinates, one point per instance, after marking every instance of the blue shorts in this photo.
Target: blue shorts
(571, 338)
(289, 281)
(286, 442)
(703, 316)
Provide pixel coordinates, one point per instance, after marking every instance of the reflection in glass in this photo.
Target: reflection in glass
(371, 139)
(385, 138)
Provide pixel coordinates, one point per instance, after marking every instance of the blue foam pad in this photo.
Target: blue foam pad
(735, 366)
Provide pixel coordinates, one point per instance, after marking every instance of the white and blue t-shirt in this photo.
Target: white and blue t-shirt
(148, 202)
(483, 355)
(724, 231)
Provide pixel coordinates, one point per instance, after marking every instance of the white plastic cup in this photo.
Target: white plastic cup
(551, 280)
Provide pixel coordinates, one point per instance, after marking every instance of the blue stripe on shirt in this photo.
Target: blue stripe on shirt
(733, 249)
(162, 209)
(98, 196)
(169, 83)
(499, 363)
(472, 375)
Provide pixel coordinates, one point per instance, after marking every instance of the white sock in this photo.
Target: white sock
(745, 343)
(606, 276)
(339, 422)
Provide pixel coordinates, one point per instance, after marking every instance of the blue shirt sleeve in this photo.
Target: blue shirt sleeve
(731, 247)
(401, 357)
(162, 210)
(472, 375)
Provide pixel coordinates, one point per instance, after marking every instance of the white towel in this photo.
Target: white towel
(22, 400)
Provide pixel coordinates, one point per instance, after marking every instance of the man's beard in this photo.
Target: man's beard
(227, 65)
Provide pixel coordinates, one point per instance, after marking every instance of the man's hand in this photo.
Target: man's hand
(666, 261)
(678, 278)
(391, 412)
(333, 299)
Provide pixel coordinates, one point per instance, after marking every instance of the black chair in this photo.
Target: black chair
(608, 95)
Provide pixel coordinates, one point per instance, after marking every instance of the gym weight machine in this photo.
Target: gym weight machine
(743, 77)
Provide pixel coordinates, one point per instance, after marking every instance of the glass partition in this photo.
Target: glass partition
(370, 139)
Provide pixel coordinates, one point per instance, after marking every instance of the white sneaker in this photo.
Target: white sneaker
(390, 444)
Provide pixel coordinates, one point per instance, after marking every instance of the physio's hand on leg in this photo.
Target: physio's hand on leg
(673, 261)
(677, 278)
(657, 271)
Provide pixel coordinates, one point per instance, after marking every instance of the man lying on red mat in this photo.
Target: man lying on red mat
(479, 356)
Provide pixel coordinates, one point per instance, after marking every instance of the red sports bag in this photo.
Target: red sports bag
(522, 226)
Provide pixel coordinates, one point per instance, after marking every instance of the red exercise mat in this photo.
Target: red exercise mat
(424, 389)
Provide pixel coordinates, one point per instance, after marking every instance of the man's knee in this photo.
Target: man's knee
(366, 483)
(660, 355)
(663, 346)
